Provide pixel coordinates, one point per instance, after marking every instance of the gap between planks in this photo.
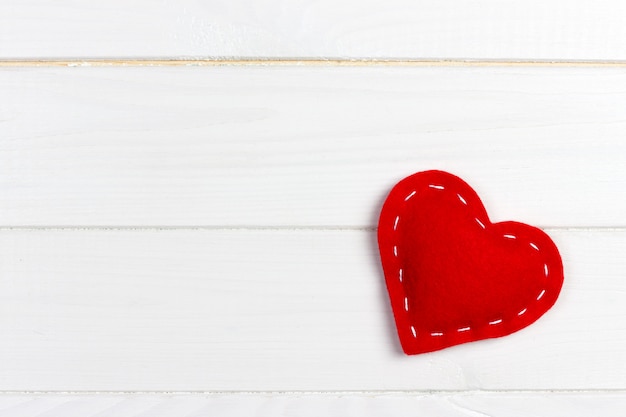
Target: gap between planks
(331, 62)
(418, 393)
(268, 228)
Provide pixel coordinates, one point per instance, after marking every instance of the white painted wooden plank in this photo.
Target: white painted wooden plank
(267, 310)
(533, 404)
(497, 29)
(306, 146)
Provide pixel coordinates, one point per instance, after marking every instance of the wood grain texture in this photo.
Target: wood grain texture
(536, 404)
(274, 310)
(290, 146)
(495, 29)
(220, 220)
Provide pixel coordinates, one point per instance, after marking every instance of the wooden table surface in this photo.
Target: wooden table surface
(189, 196)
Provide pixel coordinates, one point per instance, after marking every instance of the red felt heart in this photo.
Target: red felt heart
(453, 276)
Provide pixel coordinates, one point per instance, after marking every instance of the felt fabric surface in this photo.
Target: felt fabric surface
(452, 275)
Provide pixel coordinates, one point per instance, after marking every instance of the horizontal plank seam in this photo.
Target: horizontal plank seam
(178, 62)
(313, 393)
(266, 228)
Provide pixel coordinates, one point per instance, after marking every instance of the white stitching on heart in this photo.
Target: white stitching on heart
(482, 225)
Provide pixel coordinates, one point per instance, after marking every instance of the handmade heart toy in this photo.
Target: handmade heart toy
(453, 276)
